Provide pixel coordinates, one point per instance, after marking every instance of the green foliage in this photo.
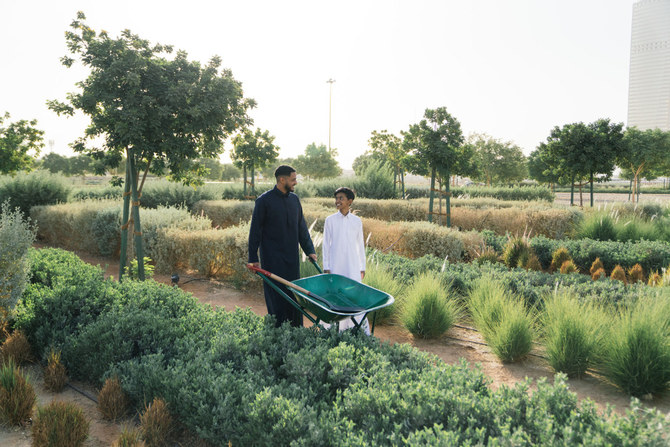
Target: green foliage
(234, 377)
(428, 310)
(106, 229)
(110, 192)
(520, 193)
(26, 190)
(60, 424)
(377, 182)
(497, 161)
(517, 253)
(599, 228)
(132, 269)
(20, 143)
(318, 162)
(16, 237)
(573, 333)
(637, 355)
(253, 151)
(17, 396)
(169, 194)
(502, 319)
(378, 277)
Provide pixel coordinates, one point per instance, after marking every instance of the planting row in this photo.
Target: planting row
(234, 377)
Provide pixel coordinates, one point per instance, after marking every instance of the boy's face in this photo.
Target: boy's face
(342, 203)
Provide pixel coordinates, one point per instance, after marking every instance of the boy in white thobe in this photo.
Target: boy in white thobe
(343, 248)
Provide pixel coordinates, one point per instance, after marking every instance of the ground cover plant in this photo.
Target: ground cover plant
(234, 377)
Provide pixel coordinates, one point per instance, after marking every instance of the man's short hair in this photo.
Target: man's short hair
(283, 171)
(347, 192)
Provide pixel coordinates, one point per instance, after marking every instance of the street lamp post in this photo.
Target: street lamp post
(330, 103)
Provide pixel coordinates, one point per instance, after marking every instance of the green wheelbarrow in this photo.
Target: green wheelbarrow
(329, 298)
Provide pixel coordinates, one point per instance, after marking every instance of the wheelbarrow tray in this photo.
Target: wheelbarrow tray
(339, 291)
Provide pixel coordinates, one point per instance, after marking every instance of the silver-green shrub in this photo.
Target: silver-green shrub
(16, 237)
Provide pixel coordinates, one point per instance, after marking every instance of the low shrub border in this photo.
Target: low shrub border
(234, 377)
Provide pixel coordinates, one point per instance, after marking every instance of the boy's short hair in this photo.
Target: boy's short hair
(283, 171)
(347, 192)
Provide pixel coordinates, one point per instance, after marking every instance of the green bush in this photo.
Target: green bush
(637, 353)
(170, 194)
(517, 253)
(60, 424)
(573, 333)
(376, 183)
(106, 230)
(27, 190)
(496, 192)
(502, 319)
(597, 227)
(16, 237)
(428, 310)
(100, 193)
(225, 213)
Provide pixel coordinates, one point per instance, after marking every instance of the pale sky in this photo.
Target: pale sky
(513, 69)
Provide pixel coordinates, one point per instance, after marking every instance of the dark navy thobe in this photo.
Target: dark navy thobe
(277, 228)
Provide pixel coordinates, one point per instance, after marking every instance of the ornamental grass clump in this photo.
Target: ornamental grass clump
(378, 277)
(156, 423)
(572, 332)
(619, 274)
(17, 396)
(55, 376)
(637, 351)
(568, 267)
(598, 274)
(598, 227)
(502, 319)
(655, 279)
(636, 274)
(596, 265)
(428, 309)
(112, 400)
(516, 253)
(559, 256)
(60, 424)
(130, 437)
(16, 348)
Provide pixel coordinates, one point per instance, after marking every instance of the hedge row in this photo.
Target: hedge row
(235, 378)
(496, 192)
(531, 286)
(556, 223)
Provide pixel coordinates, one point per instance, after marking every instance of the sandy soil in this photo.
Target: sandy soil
(458, 343)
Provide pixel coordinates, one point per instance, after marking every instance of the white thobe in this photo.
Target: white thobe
(344, 252)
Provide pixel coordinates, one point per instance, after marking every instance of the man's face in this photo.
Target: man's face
(288, 183)
(342, 203)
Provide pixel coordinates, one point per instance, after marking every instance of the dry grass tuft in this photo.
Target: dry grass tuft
(112, 400)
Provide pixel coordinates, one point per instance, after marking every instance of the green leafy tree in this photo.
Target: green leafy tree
(161, 112)
(583, 151)
(436, 148)
(361, 163)
(318, 162)
(541, 167)
(268, 171)
(20, 144)
(392, 151)
(497, 161)
(251, 151)
(213, 166)
(643, 150)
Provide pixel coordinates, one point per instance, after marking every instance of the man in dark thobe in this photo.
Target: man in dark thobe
(278, 227)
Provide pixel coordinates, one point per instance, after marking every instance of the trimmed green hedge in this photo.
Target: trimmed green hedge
(234, 377)
(496, 192)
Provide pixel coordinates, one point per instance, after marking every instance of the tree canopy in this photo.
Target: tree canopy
(497, 161)
(643, 151)
(162, 112)
(20, 144)
(390, 149)
(318, 162)
(253, 150)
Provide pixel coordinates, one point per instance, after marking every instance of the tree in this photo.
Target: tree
(497, 161)
(160, 113)
(253, 150)
(361, 163)
(540, 167)
(318, 162)
(436, 148)
(583, 151)
(391, 150)
(230, 172)
(20, 144)
(213, 166)
(268, 171)
(643, 151)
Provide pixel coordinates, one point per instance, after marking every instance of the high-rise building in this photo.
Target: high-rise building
(649, 83)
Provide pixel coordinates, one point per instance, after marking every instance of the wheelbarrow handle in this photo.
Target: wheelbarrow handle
(316, 264)
(304, 291)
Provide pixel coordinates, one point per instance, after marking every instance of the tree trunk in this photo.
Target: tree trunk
(432, 195)
(448, 195)
(395, 182)
(439, 199)
(244, 170)
(630, 190)
(123, 256)
(572, 191)
(591, 180)
(253, 181)
(135, 210)
(402, 182)
(581, 198)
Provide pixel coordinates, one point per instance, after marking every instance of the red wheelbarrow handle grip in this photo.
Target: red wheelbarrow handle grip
(259, 270)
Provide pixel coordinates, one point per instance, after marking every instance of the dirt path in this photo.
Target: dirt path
(456, 344)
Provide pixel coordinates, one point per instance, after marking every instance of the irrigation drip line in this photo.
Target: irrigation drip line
(83, 393)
